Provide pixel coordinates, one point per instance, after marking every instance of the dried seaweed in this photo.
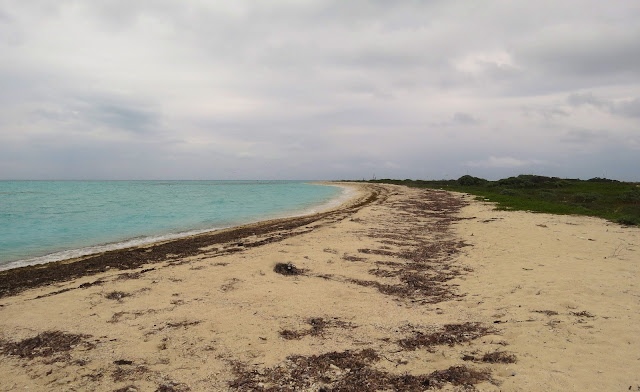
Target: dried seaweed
(45, 344)
(459, 376)
(172, 387)
(353, 258)
(183, 324)
(427, 250)
(347, 371)
(499, 357)
(230, 285)
(384, 273)
(128, 373)
(494, 357)
(117, 295)
(450, 334)
(128, 388)
(82, 286)
(318, 327)
(378, 252)
(547, 312)
(430, 289)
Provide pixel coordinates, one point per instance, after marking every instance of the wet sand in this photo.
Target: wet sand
(400, 289)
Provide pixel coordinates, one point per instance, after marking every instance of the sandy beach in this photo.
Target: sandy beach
(398, 289)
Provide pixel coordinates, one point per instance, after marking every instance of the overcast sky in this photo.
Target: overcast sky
(319, 89)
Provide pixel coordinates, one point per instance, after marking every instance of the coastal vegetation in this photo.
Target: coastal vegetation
(601, 197)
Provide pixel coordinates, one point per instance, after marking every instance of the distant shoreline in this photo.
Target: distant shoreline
(15, 279)
(145, 240)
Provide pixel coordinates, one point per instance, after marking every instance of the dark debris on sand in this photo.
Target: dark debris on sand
(318, 327)
(117, 295)
(82, 286)
(547, 312)
(450, 335)
(348, 371)
(499, 357)
(494, 357)
(424, 256)
(45, 344)
(128, 388)
(583, 313)
(287, 269)
(172, 387)
(128, 373)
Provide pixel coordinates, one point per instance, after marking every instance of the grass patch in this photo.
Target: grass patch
(600, 197)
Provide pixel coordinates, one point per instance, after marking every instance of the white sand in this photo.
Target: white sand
(188, 323)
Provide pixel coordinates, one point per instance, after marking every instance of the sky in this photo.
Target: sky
(305, 89)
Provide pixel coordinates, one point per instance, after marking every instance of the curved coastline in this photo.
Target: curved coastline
(19, 278)
(435, 282)
(146, 240)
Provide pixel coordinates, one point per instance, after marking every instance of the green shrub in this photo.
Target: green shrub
(609, 199)
(628, 220)
(532, 181)
(598, 179)
(585, 197)
(508, 192)
(468, 180)
(547, 194)
(630, 196)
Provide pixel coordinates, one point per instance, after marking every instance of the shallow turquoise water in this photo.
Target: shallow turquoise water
(42, 221)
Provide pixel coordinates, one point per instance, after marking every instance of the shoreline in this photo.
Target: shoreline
(404, 289)
(14, 280)
(142, 241)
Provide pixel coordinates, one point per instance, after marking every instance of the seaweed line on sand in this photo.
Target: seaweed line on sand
(17, 280)
(45, 344)
(348, 371)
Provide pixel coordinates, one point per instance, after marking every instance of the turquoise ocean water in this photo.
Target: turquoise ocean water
(42, 221)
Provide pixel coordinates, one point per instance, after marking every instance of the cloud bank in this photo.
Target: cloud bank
(318, 89)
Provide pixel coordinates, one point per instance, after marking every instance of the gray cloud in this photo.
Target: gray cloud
(605, 53)
(629, 108)
(584, 136)
(624, 107)
(577, 99)
(102, 113)
(123, 116)
(318, 89)
(548, 113)
(464, 119)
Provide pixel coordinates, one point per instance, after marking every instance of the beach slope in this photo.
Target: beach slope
(399, 289)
